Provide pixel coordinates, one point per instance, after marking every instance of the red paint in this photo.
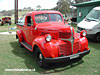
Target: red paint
(36, 35)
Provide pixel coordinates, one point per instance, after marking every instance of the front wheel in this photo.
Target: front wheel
(40, 59)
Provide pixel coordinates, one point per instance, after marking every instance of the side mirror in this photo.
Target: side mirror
(29, 24)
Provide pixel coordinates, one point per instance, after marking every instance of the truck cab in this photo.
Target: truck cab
(45, 33)
(91, 23)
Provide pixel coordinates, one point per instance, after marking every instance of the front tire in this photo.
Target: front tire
(40, 59)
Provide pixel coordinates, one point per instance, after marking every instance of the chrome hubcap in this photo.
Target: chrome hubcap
(40, 56)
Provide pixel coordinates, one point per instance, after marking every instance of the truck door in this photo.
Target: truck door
(30, 30)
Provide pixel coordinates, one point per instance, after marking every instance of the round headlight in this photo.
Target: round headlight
(48, 38)
(83, 33)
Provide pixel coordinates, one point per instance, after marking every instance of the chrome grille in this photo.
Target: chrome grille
(64, 35)
(76, 47)
(65, 49)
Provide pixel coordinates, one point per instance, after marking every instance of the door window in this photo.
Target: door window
(29, 21)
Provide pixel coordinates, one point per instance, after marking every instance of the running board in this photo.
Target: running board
(27, 45)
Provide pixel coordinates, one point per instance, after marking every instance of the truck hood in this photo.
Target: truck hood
(55, 26)
(87, 25)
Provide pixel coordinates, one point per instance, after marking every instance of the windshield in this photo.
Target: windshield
(94, 15)
(40, 18)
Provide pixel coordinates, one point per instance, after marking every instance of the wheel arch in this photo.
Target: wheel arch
(34, 48)
(48, 49)
(97, 33)
(19, 35)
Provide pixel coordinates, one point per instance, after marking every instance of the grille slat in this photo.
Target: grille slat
(65, 49)
(76, 48)
(64, 35)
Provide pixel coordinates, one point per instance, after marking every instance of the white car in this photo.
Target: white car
(91, 23)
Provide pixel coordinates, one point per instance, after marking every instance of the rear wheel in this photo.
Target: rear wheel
(40, 59)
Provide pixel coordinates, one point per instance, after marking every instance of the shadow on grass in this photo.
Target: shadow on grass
(29, 60)
(93, 44)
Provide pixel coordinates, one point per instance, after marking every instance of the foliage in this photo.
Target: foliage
(38, 7)
(6, 13)
(62, 6)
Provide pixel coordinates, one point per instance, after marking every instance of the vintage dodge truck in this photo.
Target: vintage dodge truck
(45, 33)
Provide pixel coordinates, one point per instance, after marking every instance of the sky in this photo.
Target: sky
(45, 4)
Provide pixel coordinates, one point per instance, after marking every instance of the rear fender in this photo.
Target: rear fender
(19, 34)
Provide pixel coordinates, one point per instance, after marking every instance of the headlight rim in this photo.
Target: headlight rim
(82, 33)
(48, 37)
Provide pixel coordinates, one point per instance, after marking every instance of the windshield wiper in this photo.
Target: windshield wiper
(91, 19)
(87, 19)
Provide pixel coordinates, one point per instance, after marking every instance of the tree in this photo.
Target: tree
(24, 8)
(62, 6)
(28, 8)
(38, 7)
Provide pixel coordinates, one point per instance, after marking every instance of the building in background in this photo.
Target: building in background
(84, 8)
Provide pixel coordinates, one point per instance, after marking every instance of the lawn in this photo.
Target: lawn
(5, 28)
(14, 57)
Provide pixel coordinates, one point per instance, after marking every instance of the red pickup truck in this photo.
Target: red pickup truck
(45, 33)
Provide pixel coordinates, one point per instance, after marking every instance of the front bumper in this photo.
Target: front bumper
(66, 58)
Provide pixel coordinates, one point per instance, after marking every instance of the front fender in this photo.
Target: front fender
(48, 49)
(83, 44)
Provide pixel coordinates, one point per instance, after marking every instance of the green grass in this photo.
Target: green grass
(14, 57)
(5, 27)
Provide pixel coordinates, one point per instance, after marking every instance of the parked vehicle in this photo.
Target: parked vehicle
(6, 20)
(45, 33)
(91, 23)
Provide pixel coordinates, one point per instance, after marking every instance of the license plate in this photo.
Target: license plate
(74, 56)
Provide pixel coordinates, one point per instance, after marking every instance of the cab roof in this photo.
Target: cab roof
(45, 11)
